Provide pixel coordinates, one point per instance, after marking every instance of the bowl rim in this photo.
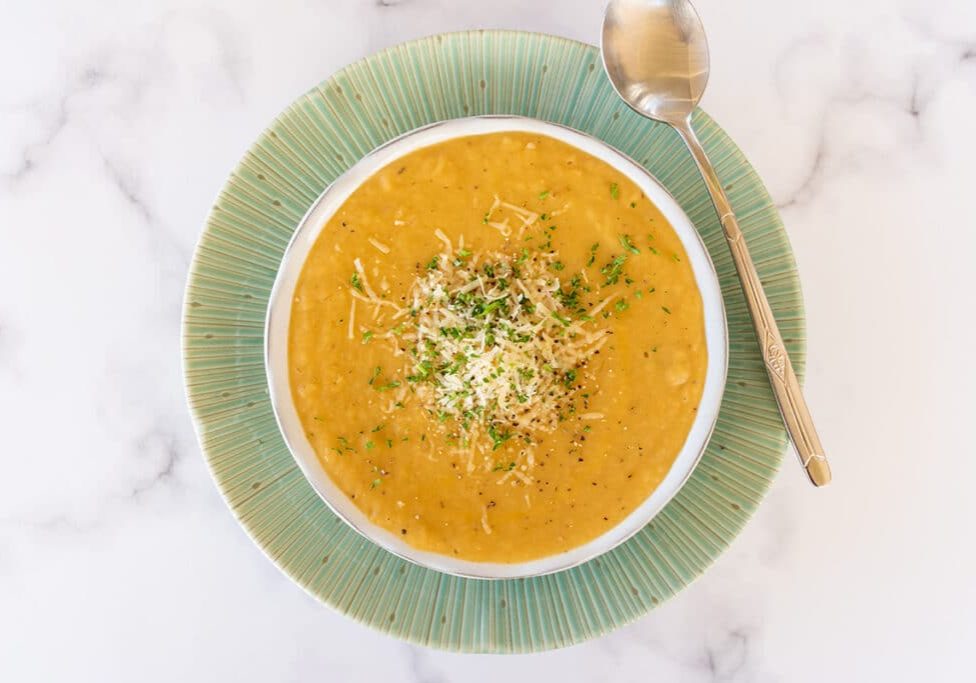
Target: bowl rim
(310, 227)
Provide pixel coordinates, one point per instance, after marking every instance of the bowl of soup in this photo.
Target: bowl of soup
(496, 347)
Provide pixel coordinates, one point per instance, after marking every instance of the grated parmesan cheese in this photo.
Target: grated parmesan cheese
(484, 519)
(496, 348)
(379, 245)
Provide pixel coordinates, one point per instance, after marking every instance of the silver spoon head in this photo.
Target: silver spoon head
(656, 56)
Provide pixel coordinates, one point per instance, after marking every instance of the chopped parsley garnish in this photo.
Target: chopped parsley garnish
(614, 269)
(497, 438)
(593, 248)
(462, 255)
(614, 190)
(356, 282)
(628, 245)
(561, 319)
(434, 263)
(543, 195)
(569, 378)
(376, 373)
(621, 305)
(376, 482)
(367, 335)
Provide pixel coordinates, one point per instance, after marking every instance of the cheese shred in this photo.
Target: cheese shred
(379, 246)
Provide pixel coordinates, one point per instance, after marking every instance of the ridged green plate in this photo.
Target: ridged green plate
(307, 146)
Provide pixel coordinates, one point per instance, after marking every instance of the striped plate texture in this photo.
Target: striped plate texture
(314, 140)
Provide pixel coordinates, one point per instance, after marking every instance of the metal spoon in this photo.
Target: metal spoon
(654, 52)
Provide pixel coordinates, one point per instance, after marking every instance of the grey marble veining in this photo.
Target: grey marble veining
(118, 558)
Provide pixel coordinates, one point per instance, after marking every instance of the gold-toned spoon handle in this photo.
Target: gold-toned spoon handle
(786, 387)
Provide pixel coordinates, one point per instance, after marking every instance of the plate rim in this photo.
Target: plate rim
(539, 644)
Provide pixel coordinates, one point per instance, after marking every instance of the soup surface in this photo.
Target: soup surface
(497, 347)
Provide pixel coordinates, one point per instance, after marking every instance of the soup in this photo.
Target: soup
(497, 347)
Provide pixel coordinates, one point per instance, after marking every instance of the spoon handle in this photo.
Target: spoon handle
(786, 387)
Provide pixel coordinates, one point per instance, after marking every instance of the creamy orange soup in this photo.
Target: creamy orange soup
(497, 347)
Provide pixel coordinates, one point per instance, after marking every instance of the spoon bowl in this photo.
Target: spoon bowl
(656, 56)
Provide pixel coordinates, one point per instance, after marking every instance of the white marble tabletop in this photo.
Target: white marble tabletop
(118, 559)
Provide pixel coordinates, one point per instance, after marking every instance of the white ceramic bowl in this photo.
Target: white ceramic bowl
(279, 314)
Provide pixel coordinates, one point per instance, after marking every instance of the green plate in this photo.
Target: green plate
(318, 137)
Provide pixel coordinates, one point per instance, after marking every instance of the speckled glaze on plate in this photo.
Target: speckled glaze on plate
(287, 168)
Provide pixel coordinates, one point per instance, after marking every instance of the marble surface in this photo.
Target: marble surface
(118, 559)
